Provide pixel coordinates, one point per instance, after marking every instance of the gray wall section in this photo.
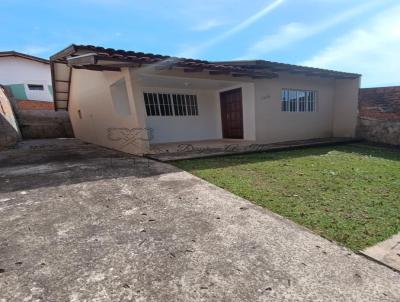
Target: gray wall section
(44, 124)
(379, 119)
(379, 131)
(38, 123)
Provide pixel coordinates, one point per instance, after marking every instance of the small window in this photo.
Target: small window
(164, 104)
(298, 100)
(35, 87)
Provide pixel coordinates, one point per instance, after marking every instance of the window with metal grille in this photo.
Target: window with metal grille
(164, 104)
(151, 103)
(185, 104)
(294, 100)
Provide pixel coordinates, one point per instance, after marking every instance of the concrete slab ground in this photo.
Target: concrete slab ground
(387, 252)
(83, 223)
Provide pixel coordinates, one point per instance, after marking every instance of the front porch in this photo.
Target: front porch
(211, 148)
(188, 113)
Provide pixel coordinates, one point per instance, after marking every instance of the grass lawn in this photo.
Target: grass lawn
(348, 193)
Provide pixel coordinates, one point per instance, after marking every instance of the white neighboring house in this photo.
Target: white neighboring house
(27, 77)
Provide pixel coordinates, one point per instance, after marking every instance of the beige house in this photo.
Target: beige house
(142, 103)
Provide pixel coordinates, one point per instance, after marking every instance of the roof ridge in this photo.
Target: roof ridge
(10, 53)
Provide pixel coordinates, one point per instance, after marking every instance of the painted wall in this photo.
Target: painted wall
(17, 73)
(207, 125)
(9, 131)
(93, 115)
(345, 110)
(335, 114)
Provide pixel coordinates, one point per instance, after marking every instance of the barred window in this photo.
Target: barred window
(299, 100)
(191, 103)
(163, 104)
(158, 104)
(179, 104)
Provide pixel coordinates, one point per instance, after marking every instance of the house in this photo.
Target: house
(137, 102)
(27, 77)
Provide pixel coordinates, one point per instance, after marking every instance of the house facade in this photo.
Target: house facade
(26, 76)
(136, 102)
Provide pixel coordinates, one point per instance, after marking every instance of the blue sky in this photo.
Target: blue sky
(360, 36)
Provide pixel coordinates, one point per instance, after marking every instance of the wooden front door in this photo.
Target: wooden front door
(232, 113)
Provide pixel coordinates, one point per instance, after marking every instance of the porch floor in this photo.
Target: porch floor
(210, 148)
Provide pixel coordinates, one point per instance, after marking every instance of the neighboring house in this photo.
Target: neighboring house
(27, 77)
(132, 101)
(27, 80)
(379, 119)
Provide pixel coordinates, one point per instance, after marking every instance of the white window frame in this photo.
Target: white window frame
(188, 104)
(290, 100)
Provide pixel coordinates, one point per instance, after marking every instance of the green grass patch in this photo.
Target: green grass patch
(348, 193)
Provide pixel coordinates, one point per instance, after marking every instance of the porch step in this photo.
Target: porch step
(191, 151)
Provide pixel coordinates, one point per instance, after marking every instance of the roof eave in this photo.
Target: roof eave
(282, 67)
(64, 53)
(17, 54)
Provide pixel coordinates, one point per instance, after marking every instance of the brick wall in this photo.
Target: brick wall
(379, 115)
(35, 105)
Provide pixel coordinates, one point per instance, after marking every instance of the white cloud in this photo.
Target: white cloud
(208, 24)
(194, 50)
(295, 32)
(35, 50)
(372, 50)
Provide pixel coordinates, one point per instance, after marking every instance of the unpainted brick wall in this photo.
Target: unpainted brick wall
(379, 115)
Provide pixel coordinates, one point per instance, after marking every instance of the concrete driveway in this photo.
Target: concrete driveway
(83, 223)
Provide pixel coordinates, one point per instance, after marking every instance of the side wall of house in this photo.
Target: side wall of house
(94, 115)
(273, 125)
(345, 112)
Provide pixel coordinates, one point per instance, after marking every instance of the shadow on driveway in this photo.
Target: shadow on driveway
(32, 165)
